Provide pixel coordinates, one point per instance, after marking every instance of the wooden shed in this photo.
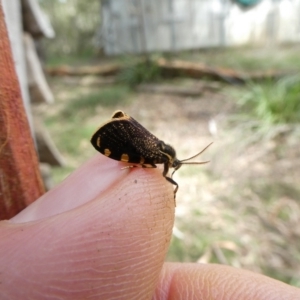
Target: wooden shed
(139, 26)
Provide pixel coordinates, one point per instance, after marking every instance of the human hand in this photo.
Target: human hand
(103, 233)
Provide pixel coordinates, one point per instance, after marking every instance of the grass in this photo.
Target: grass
(246, 59)
(85, 104)
(71, 59)
(273, 102)
(257, 211)
(71, 135)
(251, 225)
(140, 72)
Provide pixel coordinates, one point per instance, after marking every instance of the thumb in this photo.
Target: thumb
(103, 233)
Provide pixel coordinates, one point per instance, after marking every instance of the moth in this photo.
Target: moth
(122, 138)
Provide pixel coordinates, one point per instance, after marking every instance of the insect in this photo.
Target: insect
(122, 138)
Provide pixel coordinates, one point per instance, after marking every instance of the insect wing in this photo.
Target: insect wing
(124, 139)
(147, 145)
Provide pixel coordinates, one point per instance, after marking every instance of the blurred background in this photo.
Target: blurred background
(192, 72)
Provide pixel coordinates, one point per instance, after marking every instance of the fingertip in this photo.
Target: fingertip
(93, 179)
(90, 180)
(209, 281)
(122, 232)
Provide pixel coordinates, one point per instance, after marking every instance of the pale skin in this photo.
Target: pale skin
(103, 234)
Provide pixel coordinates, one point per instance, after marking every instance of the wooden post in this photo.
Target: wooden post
(20, 180)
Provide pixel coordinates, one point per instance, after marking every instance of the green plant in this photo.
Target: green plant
(274, 102)
(85, 104)
(141, 72)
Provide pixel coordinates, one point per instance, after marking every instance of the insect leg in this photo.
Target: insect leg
(173, 182)
(140, 165)
(165, 172)
(166, 169)
(176, 188)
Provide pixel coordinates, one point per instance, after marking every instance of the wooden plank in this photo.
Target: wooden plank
(195, 90)
(173, 68)
(100, 70)
(170, 89)
(39, 89)
(48, 152)
(20, 180)
(35, 21)
(89, 80)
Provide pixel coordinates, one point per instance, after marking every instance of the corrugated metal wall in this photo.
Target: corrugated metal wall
(139, 26)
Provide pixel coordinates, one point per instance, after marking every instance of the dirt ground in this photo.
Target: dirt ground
(241, 209)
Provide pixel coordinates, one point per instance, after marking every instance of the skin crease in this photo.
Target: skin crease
(103, 233)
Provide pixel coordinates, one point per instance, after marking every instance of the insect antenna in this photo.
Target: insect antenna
(195, 163)
(184, 161)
